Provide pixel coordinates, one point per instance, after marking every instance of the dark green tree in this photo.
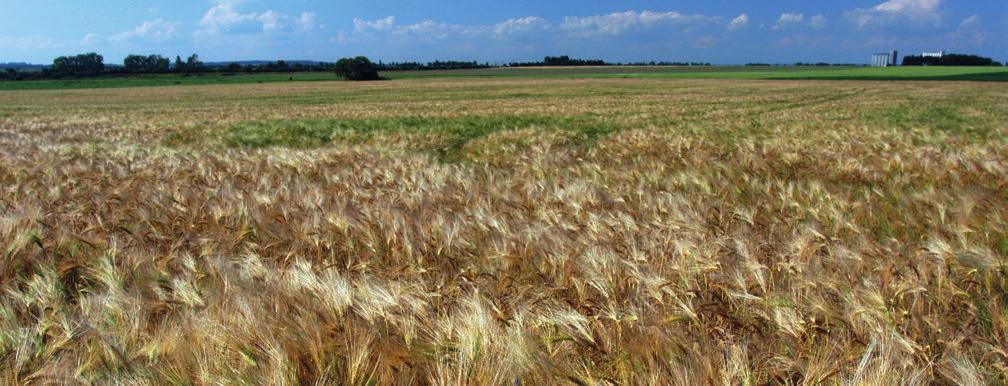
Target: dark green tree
(948, 60)
(193, 64)
(359, 68)
(89, 64)
(150, 64)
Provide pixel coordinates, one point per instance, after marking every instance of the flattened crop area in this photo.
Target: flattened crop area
(533, 231)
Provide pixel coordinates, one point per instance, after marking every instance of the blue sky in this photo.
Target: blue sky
(723, 32)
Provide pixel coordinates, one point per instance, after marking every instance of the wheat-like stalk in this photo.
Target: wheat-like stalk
(629, 232)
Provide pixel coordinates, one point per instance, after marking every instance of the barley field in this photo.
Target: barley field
(930, 73)
(506, 231)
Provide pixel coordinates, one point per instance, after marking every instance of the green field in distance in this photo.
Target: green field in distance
(989, 74)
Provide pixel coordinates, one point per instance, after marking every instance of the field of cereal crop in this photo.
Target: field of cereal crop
(506, 231)
(934, 73)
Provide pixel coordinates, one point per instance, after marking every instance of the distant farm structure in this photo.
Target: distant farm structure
(884, 59)
(936, 54)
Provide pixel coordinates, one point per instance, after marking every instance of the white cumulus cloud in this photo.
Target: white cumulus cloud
(361, 25)
(428, 30)
(608, 25)
(224, 18)
(270, 21)
(739, 22)
(521, 25)
(153, 30)
(788, 19)
(619, 23)
(308, 21)
(915, 12)
(433, 30)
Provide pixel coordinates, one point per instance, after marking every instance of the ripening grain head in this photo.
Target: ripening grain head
(505, 231)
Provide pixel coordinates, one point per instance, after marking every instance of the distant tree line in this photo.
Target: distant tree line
(558, 60)
(803, 64)
(567, 61)
(665, 64)
(949, 60)
(11, 74)
(89, 64)
(547, 61)
(192, 64)
(151, 64)
(435, 65)
(92, 64)
(277, 66)
(21, 65)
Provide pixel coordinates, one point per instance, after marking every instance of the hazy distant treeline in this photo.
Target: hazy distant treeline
(949, 60)
(435, 65)
(546, 61)
(803, 64)
(92, 64)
